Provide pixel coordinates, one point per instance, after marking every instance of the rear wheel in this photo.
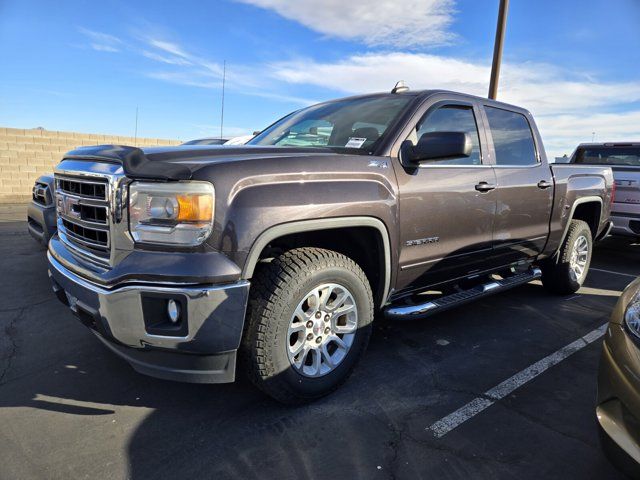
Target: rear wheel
(308, 324)
(566, 272)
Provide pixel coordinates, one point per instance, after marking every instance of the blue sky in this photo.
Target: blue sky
(86, 65)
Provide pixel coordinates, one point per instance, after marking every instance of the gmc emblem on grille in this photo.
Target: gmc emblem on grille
(68, 206)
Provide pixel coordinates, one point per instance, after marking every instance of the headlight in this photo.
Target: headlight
(632, 315)
(179, 213)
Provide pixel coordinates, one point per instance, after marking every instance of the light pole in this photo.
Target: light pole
(497, 48)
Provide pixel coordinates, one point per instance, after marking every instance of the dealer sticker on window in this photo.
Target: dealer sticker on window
(355, 142)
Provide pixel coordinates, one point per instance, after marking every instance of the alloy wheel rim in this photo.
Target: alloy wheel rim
(322, 330)
(579, 257)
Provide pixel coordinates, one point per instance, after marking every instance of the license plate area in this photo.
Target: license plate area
(72, 302)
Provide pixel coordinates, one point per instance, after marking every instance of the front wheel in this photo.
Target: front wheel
(566, 272)
(308, 324)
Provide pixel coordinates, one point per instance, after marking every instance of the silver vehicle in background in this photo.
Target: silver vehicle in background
(241, 140)
(624, 160)
(41, 213)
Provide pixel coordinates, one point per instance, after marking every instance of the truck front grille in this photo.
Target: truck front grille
(84, 215)
(87, 236)
(83, 188)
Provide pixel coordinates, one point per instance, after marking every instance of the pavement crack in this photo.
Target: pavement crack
(10, 330)
(34, 304)
(537, 421)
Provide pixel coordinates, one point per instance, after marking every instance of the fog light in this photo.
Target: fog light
(173, 311)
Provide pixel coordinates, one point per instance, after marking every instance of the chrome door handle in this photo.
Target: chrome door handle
(485, 187)
(542, 184)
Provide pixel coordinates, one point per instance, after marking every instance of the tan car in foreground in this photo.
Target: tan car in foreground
(618, 407)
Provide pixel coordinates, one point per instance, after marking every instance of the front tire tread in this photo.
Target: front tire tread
(270, 291)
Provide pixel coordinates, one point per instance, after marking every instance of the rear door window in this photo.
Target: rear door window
(512, 137)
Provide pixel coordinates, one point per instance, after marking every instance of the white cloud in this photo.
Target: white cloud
(102, 42)
(567, 106)
(200, 72)
(550, 91)
(539, 87)
(405, 24)
(169, 47)
(562, 133)
(103, 48)
(188, 79)
(380, 71)
(183, 67)
(168, 59)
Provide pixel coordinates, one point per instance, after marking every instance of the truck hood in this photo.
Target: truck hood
(180, 162)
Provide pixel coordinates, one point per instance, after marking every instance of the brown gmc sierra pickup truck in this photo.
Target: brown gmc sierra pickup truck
(280, 252)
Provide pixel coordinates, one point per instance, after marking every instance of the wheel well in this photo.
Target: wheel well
(363, 245)
(590, 213)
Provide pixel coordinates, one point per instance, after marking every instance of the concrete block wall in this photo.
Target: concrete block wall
(26, 154)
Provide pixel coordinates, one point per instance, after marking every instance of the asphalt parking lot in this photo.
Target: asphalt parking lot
(71, 409)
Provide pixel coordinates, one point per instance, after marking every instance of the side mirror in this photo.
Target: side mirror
(437, 146)
(257, 132)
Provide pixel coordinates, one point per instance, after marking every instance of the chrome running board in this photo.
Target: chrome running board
(422, 310)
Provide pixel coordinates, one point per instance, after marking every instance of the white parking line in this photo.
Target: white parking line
(478, 404)
(614, 273)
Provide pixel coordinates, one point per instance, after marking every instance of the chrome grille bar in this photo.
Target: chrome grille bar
(83, 188)
(83, 215)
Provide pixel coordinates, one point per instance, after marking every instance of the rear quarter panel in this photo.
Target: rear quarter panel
(627, 199)
(574, 184)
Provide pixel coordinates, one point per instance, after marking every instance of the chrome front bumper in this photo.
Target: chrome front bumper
(131, 319)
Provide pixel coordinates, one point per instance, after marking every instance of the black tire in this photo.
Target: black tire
(277, 288)
(557, 274)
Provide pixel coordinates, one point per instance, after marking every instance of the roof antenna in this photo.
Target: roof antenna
(400, 87)
(135, 135)
(224, 75)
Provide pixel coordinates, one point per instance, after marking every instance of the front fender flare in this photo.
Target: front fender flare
(283, 229)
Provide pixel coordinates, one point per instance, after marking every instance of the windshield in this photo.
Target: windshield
(609, 155)
(358, 123)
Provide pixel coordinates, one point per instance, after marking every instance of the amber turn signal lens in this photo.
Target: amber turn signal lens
(195, 208)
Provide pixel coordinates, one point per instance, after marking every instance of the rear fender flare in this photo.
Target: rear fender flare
(579, 201)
